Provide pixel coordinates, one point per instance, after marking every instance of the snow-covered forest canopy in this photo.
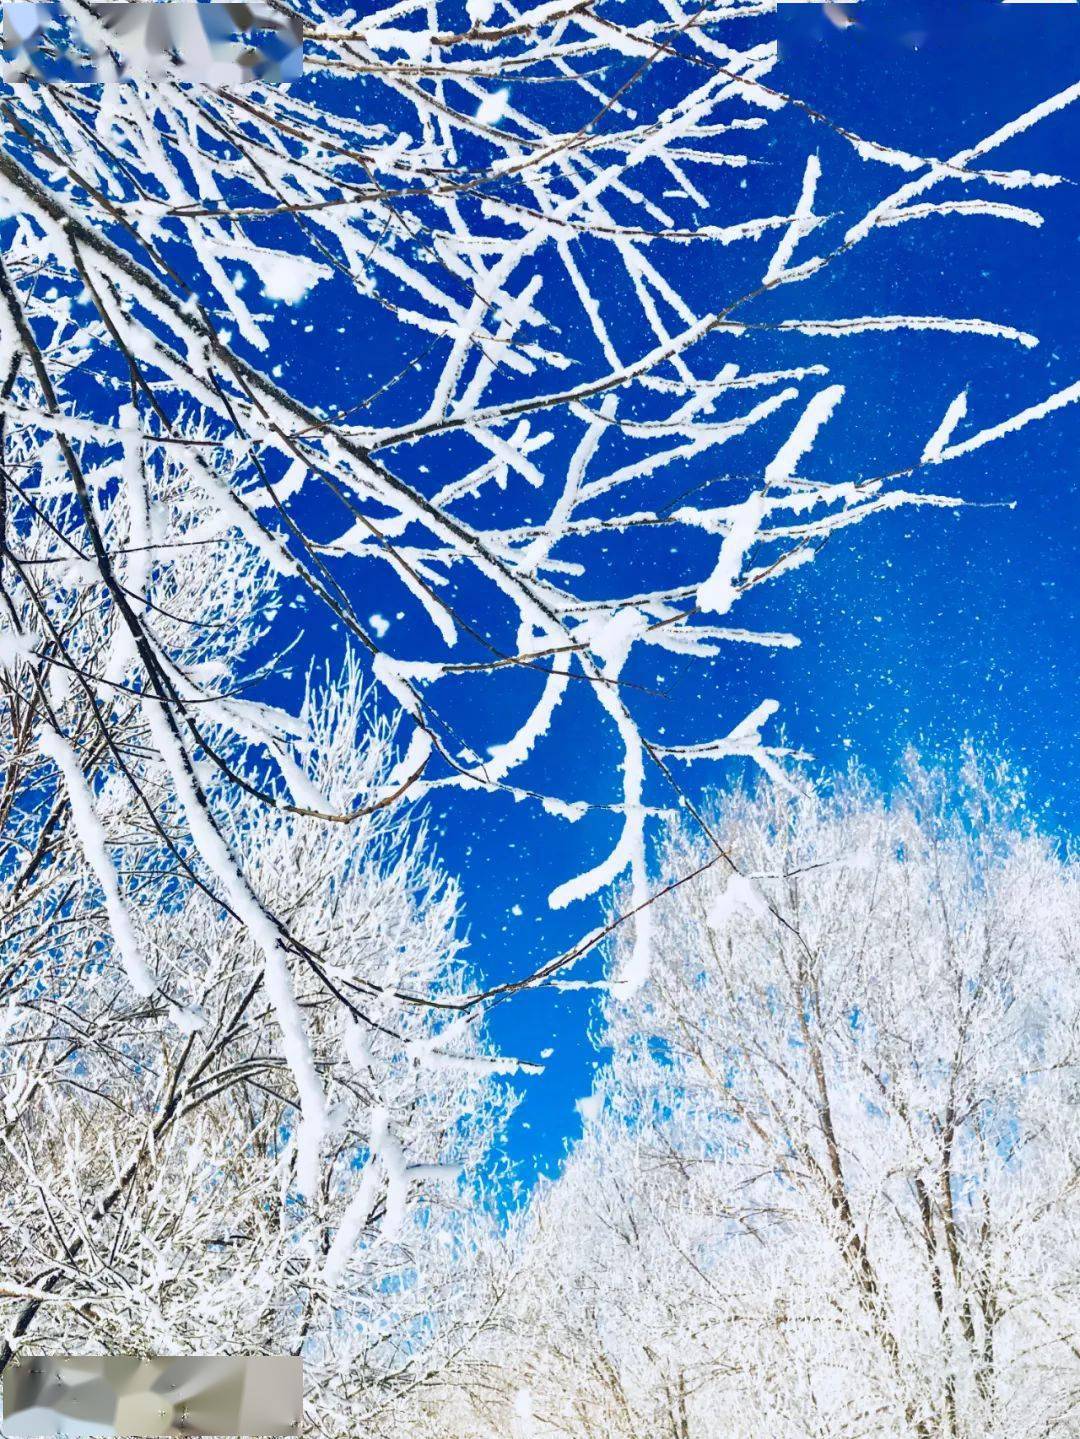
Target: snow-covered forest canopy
(828, 1183)
(386, 441)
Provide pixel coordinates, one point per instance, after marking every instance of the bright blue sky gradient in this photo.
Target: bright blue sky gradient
(921, 626)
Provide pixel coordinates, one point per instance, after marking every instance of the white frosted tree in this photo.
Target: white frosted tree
(148, 1138)
(150, 1135)
(830, 1179)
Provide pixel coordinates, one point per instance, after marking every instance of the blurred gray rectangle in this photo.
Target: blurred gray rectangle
(126, 1394)
(90, 42)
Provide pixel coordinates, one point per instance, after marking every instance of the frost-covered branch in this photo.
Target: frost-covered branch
(500, 204)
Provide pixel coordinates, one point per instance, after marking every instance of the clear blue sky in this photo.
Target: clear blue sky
(919, 627)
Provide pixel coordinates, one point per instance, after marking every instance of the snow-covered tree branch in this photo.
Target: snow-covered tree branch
(492, 471)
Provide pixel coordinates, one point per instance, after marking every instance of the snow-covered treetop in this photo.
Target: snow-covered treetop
(829, 1167)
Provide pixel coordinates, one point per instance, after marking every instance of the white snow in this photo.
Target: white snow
(288, 278)
(492, 107)
(719, 592)
(738, 894)
(935, 446)
(95, 847)
(590, 1107)
(1068, 396)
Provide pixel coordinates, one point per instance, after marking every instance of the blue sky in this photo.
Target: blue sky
(921, 626)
